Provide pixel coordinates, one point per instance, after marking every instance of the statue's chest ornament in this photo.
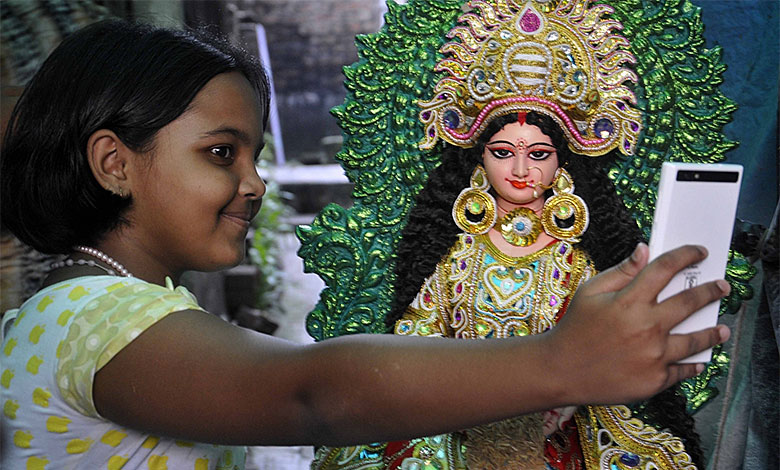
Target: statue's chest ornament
(496, 296)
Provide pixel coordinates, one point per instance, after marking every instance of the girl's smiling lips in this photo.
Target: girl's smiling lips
(243, 219)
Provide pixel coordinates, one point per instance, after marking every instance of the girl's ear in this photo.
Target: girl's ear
(107, 158)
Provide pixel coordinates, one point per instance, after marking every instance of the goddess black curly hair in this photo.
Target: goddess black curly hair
(612, 235)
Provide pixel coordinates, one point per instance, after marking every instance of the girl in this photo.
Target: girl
(132, 153)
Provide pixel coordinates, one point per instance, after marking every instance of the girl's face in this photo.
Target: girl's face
(194, 200)
(517, 158)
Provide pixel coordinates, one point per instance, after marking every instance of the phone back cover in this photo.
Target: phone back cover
(700, 212)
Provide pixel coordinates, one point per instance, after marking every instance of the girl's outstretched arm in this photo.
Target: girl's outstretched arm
(194, 376)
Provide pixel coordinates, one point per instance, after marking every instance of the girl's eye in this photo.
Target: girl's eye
(501, 153)
(539, 154)
(223, 152)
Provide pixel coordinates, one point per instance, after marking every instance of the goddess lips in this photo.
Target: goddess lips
(518, 184)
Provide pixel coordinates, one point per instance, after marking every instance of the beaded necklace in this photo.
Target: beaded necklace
(116, 268)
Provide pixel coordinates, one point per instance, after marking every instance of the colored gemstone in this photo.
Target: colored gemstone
(451, 119)
(530, 21)
(458, 316)
(629, 459)
(427, 298)
(519, 226)
(634, 126)
(562, 250)
(563, 185)
(462, 265)
(627, 145)
(426, 115)
(459, 288)
(469, 240)
(475, 207)
(621, 106)
(431, 132)
(553, 301)
(479, 75)
(556, 274)
(603, 128)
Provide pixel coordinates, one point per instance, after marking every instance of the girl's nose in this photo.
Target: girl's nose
(252, 186)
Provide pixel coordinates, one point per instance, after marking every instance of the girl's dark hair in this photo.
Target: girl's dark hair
(612, 235)
(132, 79)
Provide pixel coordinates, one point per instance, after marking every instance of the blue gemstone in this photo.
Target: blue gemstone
(629, 459)
(603, 128)
(451, 119)
(520, 226)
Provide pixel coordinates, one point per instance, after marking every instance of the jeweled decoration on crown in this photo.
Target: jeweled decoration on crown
(558, 58)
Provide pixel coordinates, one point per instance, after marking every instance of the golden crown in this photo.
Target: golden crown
(557, 57)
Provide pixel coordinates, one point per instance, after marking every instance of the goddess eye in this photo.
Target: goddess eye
(539, 154)
(223, 152)
(501, 153)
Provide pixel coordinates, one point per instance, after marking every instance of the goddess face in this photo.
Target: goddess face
(517, 159)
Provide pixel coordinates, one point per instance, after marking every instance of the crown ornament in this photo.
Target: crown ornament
(556, 57)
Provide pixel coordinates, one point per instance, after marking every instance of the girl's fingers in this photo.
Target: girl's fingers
(679, 306)
(651, 280)
(681, 346)
(678, 372)
(620, 275)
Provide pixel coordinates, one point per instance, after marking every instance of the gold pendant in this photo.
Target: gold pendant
(520, 227)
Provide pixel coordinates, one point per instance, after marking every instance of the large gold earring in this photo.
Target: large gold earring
(474, 210)
(562, 206)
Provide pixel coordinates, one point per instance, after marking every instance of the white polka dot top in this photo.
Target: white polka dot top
(52, 347)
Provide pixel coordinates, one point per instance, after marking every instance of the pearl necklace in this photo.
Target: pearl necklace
(95, 253)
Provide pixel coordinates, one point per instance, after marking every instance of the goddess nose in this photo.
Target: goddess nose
(520, 166)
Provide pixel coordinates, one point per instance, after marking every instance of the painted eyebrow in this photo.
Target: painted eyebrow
(510, 143)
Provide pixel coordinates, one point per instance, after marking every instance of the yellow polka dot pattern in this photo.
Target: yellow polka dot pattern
(56, 343)
(107, 324)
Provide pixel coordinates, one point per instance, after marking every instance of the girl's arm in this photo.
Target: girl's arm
(193, 376)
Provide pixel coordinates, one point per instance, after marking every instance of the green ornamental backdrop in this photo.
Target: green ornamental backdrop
(352, 250)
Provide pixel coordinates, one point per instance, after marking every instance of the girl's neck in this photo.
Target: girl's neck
(142, 264)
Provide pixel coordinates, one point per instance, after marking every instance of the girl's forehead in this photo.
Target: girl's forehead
(226, 101)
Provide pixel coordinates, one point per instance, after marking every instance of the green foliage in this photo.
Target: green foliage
(268, 224)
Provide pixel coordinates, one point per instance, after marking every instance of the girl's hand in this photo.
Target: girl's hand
(616, 333)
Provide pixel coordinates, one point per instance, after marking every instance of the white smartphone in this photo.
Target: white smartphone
(697, 204)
